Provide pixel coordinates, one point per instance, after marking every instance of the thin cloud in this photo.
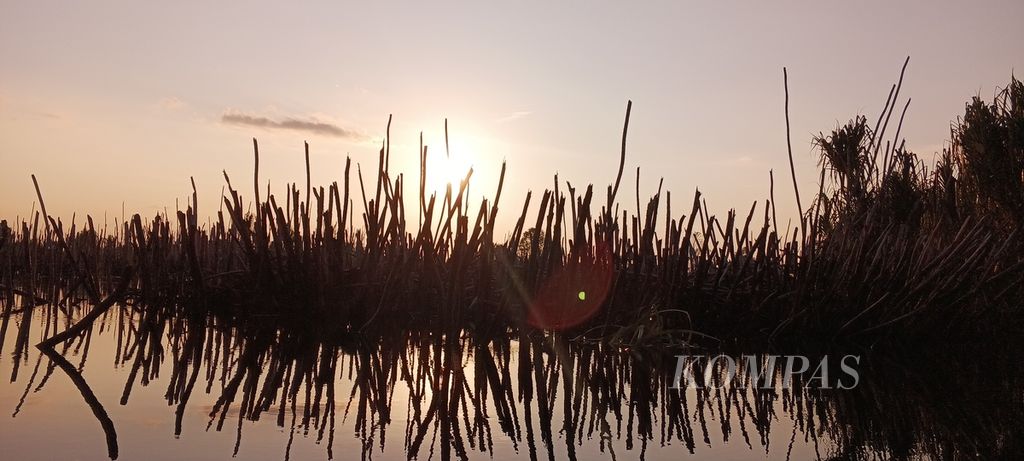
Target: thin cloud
(738, 161)
(514, 116)
(170, 103)
(314, 126)
(743, 160)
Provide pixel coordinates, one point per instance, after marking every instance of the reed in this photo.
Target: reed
(886, 247)
(282, 296)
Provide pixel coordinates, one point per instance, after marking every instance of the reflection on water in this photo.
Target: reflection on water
(147, 382)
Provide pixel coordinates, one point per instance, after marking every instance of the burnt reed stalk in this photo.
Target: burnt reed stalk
(886, 247)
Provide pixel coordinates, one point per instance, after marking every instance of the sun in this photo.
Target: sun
(451, 168)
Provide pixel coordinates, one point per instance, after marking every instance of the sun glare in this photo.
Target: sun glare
(449, 168)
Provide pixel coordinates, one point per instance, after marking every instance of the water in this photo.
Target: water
(202, 388)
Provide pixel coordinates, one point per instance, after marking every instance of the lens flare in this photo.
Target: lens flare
(573, 293)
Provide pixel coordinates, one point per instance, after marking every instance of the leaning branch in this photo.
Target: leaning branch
(792, 169)
(91, 317)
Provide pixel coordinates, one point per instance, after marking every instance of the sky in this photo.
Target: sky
(115, 105)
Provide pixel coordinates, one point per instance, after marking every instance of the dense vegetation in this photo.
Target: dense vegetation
(887, 247)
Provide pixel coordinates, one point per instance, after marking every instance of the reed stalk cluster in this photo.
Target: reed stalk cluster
(886, 246)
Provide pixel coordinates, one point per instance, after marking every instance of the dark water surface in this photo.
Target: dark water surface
(144, 385)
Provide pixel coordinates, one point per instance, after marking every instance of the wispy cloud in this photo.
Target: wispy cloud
(514, 116)
(170, 103)
(311, 125)
(743, 160)
(49, 115)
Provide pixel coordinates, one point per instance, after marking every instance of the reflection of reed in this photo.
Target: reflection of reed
(87, 395)
(545, 396)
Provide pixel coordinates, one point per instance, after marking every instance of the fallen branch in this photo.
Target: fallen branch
(89, 318)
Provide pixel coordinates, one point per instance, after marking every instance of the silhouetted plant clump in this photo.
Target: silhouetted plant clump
(886, 247)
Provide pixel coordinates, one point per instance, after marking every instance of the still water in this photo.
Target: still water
(154, 384)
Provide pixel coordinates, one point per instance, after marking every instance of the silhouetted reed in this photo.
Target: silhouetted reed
(550, 334)
(886, 247)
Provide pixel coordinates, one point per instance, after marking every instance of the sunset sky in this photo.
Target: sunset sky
(113, 103)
